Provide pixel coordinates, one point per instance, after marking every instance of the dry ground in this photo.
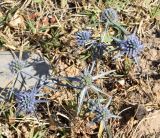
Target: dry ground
(48, 27)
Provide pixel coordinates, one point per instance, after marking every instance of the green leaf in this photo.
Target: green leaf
(155, 12)
(106, 38)
(31, 25)
(63, 3)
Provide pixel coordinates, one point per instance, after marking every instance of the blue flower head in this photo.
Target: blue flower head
(109, 14)
(83, 37)
(17, 65)
(102, 112)
(131, 47)
(27, 100)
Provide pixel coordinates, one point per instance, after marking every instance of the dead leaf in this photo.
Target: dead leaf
(11, 120)
(45, 21)
(52, 20)
(17, 22)
(79, 125)
(62, 96)
(72, 71)
(33, 16)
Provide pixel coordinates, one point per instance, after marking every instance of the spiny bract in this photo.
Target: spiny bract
(27, 100)
(109, 14)
(83, 37)
(17, 65)
(131, 47)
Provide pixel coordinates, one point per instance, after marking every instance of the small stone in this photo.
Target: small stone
(141, 112)
(121, 82)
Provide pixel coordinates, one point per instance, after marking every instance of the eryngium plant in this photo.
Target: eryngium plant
(26, 101)
(109, 15)
(131, 47)
(102, 113)
(83, 37)
(88, 83)
(17, 65)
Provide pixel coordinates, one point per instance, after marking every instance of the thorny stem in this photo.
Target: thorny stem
(93, 64)
(121, 28)
(13, 86)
